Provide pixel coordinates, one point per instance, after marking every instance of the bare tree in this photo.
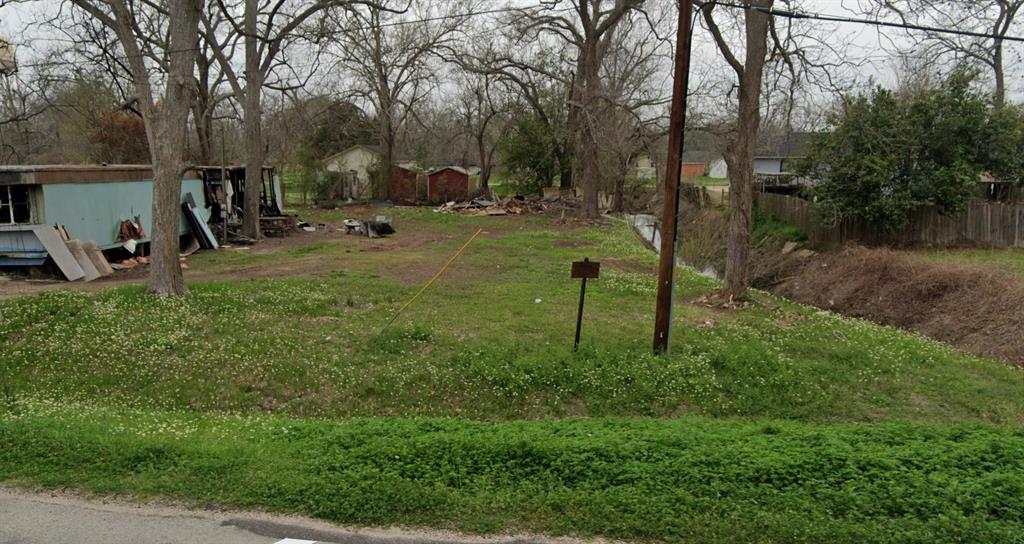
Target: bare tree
(633, 97)
(210, 80)
(389, 56)
(995, 17)
(588, 27)
(162, 37)
(482, 108)
(543, 80)
(739, 155)
(21, 103)
(266, 29)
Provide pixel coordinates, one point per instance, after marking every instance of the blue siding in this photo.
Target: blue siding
(94, 211)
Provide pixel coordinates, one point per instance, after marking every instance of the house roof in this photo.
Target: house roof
(697, 156)
(458, 169)
(794, 144)
(375, 149)
(372, 148)
(39, 174)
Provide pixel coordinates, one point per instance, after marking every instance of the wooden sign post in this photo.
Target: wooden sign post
(583, 270)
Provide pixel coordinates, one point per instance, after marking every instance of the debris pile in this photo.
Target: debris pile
(375, 228)
(516, 205)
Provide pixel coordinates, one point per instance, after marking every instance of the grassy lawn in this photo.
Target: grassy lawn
(772, 423)
(1006, 260)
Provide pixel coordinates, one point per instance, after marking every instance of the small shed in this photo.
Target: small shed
(406, 185)
(448, 183)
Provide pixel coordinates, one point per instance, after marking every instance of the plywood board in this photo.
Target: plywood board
(97, 258)
(76, 249)
(62, 257)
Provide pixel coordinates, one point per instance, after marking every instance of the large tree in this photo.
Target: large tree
(158, 42)
(588, 27)
(739, 153)
(541, 133)
(482, 106)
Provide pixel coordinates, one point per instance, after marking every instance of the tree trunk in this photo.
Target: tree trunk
(619, 194)
(564, 174)
(387, 162)
(167, 130)
(253, 120)
(587, 149)
(201, 114)
(165, 276)
(1000, 94)
(740, 156)
(204, 132)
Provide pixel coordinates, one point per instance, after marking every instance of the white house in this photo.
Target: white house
(779, 158)
(717, 168)
(357, 164)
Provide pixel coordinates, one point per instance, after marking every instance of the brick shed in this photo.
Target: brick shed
(448, 183)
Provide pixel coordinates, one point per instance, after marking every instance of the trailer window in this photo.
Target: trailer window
(15, 206)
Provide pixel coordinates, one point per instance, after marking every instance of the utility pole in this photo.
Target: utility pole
(673, 171)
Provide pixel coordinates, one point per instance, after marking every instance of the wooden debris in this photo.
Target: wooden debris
(78, 251)
(97, 258)
(517, 205)
(62, 257)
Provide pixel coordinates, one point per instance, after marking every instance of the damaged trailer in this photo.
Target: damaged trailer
(91, 202)
(218, 193)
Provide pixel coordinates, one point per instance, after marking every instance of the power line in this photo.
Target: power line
(790, 14)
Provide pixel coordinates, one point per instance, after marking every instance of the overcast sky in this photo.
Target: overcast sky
(867, 42)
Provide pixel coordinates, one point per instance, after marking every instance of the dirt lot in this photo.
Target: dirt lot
(409, 255)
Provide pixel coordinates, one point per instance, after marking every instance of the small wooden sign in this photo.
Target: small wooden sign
(586, 269)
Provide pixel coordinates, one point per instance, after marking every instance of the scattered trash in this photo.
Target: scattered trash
(537, 301)
(351, 226)
(131, 230)
(376, 229)
(372, 229)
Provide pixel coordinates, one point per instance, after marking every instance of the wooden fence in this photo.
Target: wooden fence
(982, 223)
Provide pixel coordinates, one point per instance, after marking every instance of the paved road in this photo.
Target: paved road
(28, 518)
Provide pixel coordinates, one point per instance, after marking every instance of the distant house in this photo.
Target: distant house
(643, 167)
(717, 168)
(448, 183)
(703, 163)
(359, 164)
(779, 158)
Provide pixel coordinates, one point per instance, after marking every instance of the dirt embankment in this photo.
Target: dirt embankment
(973, 308)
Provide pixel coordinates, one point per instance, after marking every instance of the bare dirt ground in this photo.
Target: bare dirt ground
(978, 309)
(409, 256)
